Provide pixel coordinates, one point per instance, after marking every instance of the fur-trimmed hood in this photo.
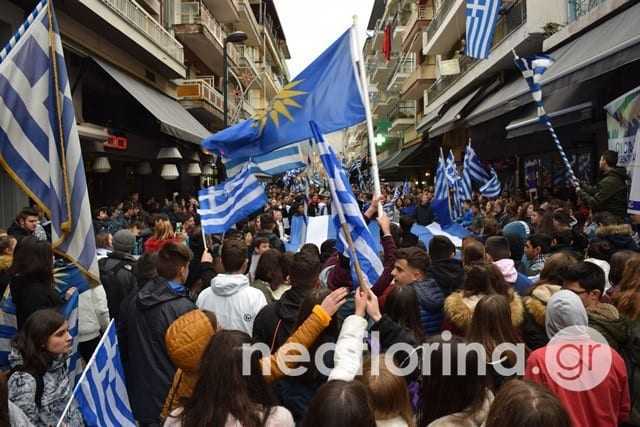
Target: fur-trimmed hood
(459, 309)
(536, 303)
(614, 230)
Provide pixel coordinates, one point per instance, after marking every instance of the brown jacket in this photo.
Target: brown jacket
(187, 339)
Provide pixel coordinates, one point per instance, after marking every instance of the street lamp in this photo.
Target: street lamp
(235, 37)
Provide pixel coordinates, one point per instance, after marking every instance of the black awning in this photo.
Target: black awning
(605, 48)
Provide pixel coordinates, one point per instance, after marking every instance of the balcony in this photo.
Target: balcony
(248, 23)
(439, 35)
(248, 57)
(418, 81)
(402, 116)
(202, 33)
(506, 25)
(139, 27)
(225, 11)
(202, 99)
(580, 8)
(418, 20)
(401, 71)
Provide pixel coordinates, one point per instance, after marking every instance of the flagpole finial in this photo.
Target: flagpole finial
(515, 55)
(355, 20)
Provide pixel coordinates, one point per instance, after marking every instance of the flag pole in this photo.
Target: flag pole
(445, 179)
(367, 109)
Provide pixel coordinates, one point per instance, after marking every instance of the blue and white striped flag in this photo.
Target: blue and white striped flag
(406, 189)
(101, 393)
(532, 69)
(441, 181)
(451, 172)
(274, 163)
(482, 16)
(39, 143)
(345, 208)
(473, 167)
(492, 188)
(231, 201)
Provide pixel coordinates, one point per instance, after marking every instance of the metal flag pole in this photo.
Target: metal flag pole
(364, 86)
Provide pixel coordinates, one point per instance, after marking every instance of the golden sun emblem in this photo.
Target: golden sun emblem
(280, 105)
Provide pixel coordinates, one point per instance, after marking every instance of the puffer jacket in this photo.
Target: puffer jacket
(609, 194)
(187, 339)
(605, 319)
(619, 235)
(448, 274)
(458, 311)
(535, 307)
(56, 393)
(431, 300)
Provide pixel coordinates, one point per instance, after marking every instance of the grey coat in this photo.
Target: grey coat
(56, 393)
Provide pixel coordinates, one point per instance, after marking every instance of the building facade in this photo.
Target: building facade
(429, 93)
(147, 85)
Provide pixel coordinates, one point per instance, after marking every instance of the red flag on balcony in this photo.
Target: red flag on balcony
(386, 43)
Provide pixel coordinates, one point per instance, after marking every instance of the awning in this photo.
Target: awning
(429, 119)
(383, 164)
(528, 123)
(174, 119)
(608, 46)
(397, 161)
(451, 116)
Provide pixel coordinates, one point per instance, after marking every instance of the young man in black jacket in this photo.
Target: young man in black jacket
(117, 271)
(144, 319)
(445, 269)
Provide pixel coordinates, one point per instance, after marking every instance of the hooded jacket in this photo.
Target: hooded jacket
(619, 235)
(519, 281)
(605, 319)
(144, 319)
(609, 194)
(233, 300)
(448, 274)
(188, 337)
(275, 322)
(535, 306)
(458, 310)
(605, 404)
(56, 393)
(118, 278)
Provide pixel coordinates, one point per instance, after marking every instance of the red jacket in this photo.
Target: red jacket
(154, 245)
(605, 405)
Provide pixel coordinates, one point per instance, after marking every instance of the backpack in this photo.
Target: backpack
(39, 383)
(107, 275)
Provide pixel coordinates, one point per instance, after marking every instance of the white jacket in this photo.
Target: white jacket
(93, 314)
(234, 302)
(347, 359)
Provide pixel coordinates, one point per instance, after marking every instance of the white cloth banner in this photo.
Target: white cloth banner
(318, 229)
(634, 196)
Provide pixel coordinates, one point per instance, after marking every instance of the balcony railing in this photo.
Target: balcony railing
(507, 24)
(152, 29)
(579, 8)
(403, 110)
(439, 17)
(420, 14)
(249, 56)
(402, 69)
(197, 13)
(201, 89)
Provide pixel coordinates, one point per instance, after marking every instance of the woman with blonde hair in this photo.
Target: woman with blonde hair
(162, 234)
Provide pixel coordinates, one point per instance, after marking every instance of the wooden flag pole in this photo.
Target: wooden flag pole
(352, 248)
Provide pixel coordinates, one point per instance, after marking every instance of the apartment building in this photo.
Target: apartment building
(429, 94)
(147, 83)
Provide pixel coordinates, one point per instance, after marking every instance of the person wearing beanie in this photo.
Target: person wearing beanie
(591, 399)
(117, 271)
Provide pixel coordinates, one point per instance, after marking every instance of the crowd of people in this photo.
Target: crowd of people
(186, 308)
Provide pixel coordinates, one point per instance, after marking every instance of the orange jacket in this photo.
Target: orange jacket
(187, 339)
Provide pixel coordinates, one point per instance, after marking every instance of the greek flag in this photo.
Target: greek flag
(473, 167)
(274, 163)
(451, 173)
(39, 143)
(482, 16)
(492, 188)
(532, 69)
(231, 201)
(406, 190)
(345, 210)
(101, 393)
(441, 181)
